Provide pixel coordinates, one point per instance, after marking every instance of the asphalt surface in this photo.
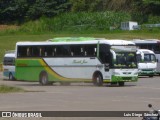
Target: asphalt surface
(82, 97)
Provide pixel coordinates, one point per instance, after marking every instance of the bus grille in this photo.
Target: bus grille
(147, 69)
(127, 78)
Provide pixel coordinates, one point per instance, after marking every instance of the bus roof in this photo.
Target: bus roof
(145, 41)
(78, 40)
(9, 55)
(145, 51)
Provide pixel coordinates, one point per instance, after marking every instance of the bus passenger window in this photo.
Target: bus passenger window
(22, 51)
(90, 50)
(76, 51)
(35, 51)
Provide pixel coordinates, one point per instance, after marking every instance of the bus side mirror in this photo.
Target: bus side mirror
(157, 60)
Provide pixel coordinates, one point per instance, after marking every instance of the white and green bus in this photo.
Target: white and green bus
(70, 59)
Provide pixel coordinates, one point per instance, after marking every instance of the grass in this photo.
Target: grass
(10, 89)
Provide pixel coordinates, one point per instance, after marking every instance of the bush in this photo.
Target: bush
(77, 22)
(154, 19)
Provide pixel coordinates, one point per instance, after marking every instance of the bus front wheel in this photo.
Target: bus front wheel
(98, 80)
(121, 83)
(150, 75)
(43, 78)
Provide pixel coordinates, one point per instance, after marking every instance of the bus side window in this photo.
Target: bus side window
(22, 51)
(49, 51)
(66, 50)
(82, 53)
(29, 52)
(35, 51)
(90, 49)
(58, 51)
(76, 50)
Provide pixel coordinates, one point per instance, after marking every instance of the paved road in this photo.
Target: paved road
(82, 97)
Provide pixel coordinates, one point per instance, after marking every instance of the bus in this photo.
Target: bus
(9, 65)
(147, 62)
(153, 45)
(77, 59)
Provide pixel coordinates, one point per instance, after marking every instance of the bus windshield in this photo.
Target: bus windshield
(147, 58)
(125, 60)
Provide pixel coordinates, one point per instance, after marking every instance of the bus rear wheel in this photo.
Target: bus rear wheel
(98, 80)
(43, 78)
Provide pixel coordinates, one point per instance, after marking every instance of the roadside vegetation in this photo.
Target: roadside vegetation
(10, 89)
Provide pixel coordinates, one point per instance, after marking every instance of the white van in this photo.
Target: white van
(147, 62)
(9, 65)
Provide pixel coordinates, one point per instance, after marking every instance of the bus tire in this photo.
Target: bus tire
(97, 79)
(11, 77)
(150, 75)
(121, 83)
(43, 78)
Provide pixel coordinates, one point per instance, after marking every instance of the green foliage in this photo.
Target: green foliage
(20, 10)
(48, 8)
(147, 7)
(8, 89)
(155, 2)
(153, 19)
(77, 22)
(87, 5)
(140, 17)
(12, 10)
(100, 5)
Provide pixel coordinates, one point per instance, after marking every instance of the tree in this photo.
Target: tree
(20, 10)
(48, 8)
(87, 5)
(154, 2)
(153, 6)
(12, 10)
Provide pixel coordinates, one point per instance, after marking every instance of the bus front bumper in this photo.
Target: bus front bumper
(124, 78)
(146, 73)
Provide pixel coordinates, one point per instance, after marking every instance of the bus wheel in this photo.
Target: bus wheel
(150, 75)
(121, 83)
(43, 78)
(98, 80)
(11, 76)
